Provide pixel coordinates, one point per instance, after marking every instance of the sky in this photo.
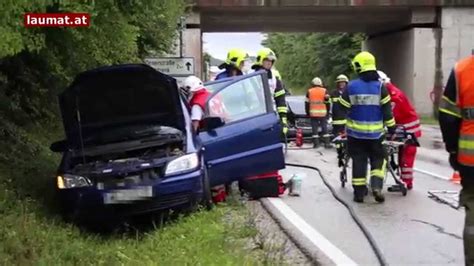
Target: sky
(217, 44)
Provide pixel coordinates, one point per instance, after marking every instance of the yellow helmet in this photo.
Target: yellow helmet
(265, 53)
(236, 56)
(363, 62)
(342, 78)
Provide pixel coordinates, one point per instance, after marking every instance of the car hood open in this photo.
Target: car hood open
(119, 96)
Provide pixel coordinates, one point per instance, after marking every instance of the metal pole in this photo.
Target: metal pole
(182, 26)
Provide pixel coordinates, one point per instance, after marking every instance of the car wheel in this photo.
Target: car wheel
(206, 200)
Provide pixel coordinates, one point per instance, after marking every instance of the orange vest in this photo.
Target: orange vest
(317, 105)
(464, 73)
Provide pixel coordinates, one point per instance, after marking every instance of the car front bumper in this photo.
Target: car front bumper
(173, 192)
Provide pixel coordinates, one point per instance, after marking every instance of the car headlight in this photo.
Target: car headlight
(72, 181)
(182, 164)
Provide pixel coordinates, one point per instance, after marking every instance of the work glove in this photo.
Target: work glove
(284, 123)
(453, 160)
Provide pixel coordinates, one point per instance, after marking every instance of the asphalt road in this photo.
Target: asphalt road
(410, 230)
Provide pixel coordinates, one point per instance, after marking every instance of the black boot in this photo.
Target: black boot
(377, 193)
(359, 193)
(315, 143)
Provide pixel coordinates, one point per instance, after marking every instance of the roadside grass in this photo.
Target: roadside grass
(428, 120)
(32, 233)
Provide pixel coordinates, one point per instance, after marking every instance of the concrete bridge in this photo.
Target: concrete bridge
(416, 42)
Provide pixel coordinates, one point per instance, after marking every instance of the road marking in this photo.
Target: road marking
(431, 174)
(333, 253)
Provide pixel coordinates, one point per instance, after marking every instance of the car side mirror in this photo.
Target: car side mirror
(213, 122)
(59, 146)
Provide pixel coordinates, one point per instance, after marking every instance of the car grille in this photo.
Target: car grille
(130, 179)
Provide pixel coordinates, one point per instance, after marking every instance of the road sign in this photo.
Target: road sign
(173, 66)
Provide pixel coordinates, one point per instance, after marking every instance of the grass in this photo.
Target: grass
(31, 232)
(428, 120)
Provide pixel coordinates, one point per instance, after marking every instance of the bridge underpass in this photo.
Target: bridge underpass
(415, 42)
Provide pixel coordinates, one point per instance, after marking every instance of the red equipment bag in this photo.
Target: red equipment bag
(264, 185)
(218, 194)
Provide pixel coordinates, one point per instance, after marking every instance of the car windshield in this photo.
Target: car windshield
(296, 105)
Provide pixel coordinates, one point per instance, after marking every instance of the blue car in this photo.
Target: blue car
(130, 148)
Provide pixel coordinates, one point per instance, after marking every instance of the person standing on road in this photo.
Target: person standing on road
(317, 107)
(234, 64)
(265, 60)
(368, 104)
(405, 116)
(456, 119)
(338, 112)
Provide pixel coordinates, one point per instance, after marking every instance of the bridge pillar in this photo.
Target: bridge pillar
(191, 42)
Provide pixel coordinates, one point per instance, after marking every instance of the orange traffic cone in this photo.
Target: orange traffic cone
(456, 178)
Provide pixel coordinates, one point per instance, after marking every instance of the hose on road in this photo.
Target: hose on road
(365, 231)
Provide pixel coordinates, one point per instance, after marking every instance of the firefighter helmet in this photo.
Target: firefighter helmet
(363, 62)
(317, 82)
(236, 56)
(342, 78)
(265, 53)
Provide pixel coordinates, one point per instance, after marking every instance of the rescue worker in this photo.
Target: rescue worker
(317, 107)
(234, 64)
(405, 116)
(197, 96)
(266, 58)
(368, 103)
(338, 112)
(456, 119)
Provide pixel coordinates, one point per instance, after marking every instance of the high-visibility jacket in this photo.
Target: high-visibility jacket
(457, 111)
(318, 99)
(366, 101)
(403, 111)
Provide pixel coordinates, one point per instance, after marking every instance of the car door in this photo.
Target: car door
(249, 143)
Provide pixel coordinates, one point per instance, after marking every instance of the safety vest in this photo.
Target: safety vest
(365, 118)
(464, 72)
(317, 105)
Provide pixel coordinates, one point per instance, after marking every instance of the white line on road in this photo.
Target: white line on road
(333, 253)
(431, 174)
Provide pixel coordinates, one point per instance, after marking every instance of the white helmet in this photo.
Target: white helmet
(317, 82)
(383, 77)
(192, 84)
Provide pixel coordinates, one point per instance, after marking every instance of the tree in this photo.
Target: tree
(303, 56)
(37, 63)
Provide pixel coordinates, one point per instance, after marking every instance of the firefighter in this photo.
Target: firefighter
(278, 76)
(368, 104)
(265, 60)
(317, 107)
(456, 119)
(405, 116)
(234, 64)
(338, 112)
